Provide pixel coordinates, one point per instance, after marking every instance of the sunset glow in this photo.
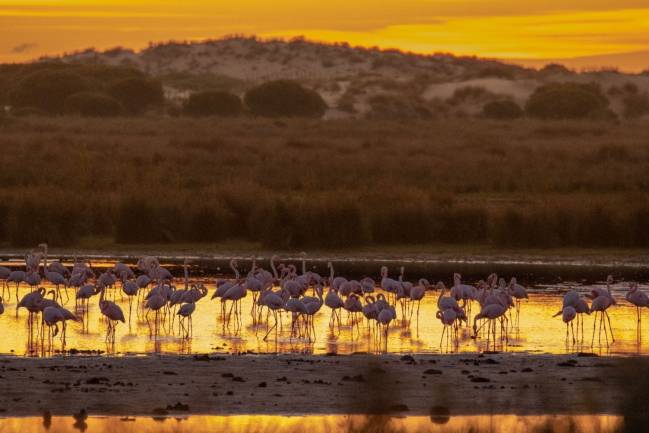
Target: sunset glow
(503, 29)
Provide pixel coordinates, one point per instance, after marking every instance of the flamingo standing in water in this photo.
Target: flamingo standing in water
(4, 274)
(335, 302)
(185, 312)
(16, 277)
(54, 277)
(568, 314)
(602, 301)
(112, 312)
(640, 300)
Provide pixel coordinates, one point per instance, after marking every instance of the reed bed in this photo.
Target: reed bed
(326, 184)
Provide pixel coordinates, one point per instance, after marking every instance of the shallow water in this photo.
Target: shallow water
(534, 330)
(317, 424)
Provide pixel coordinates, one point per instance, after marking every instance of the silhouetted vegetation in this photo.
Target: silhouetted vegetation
(636, 105)
(299, 183)
(502, 110)
(47, 90)
(567, 101)
(137, 94)
(284, 98)
(214, 103)
(92, 104)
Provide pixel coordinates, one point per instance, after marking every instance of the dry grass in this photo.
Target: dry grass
(298, 183)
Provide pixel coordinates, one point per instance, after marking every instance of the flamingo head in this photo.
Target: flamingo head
(609, 279)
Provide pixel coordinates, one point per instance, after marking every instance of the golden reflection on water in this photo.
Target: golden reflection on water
(317, 424)
(537, 331)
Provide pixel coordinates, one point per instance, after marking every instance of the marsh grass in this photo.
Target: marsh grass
(336, 184)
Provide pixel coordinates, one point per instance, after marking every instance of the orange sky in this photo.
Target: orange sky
(530, 29)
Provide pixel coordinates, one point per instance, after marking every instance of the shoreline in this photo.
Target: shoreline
(292, 384)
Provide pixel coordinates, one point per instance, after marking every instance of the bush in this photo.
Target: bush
(284, 98)
(47, 90)
(93, 104)
(635, 105)
(567, 101)
(137, 94)
(213, 103)
(502, 110)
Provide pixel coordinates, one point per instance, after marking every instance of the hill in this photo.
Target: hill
(354, 81)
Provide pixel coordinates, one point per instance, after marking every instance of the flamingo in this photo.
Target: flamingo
(54, 277)
(390, 285)
(16, 277)
(417, 293)
(312, 306)
(491, 313)
(448, 318)
(154, 302)
(335, 302)
(112, 312)
(4, 274)
(297, 308)
(601, 303)
(130, 289)
(518, 292)
(2, 307)
(574, 300)
(568, 314)
(384, 318)
(638, 299)
(234, 294)
(273, 302)
(185, 312)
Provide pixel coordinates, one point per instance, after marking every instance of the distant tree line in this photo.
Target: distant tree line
(56, 88)
(103, 91)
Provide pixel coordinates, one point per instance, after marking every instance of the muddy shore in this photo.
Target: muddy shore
(464, 384)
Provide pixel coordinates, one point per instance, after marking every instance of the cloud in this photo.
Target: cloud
(23, 48)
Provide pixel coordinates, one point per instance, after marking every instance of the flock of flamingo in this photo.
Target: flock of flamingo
(283, 290)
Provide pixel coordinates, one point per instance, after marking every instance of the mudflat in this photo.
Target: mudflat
(462, 384)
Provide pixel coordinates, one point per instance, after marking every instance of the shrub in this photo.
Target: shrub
(137, 94)
(502, 110)
(213, 103)
(284, 98)
(635, 105)
(567, 101)
(47, 90)
(93, 104)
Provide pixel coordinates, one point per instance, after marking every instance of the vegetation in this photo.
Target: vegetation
(284, 98)
(299, 183)
(137, 94)
(567, 101)
(213, 103)
(92, 104)
(46, 88)
(502, 110)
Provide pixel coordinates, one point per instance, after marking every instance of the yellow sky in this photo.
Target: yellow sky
(530, 29)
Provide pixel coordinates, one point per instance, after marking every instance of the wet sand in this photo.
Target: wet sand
(463, 384)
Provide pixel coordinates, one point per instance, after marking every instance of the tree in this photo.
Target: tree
(47, 90)
(567, 101)
(213, 103)
(502, 110)
(93, 104)
(284, 98)
(137, 94)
